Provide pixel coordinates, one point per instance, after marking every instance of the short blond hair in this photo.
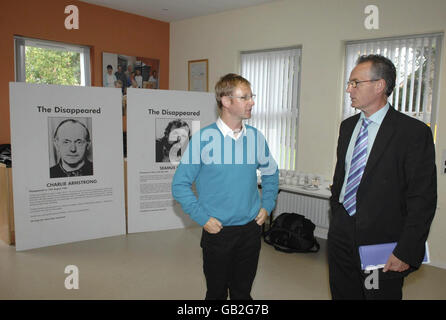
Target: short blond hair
(225, 86)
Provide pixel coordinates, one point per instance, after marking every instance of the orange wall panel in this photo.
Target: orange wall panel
(100, 28)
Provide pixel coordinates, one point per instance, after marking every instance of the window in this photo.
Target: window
(39, 61)
(274, 77)
(417, 62)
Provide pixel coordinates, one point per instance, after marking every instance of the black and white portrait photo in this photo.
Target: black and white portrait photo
(172, 137)
(70, 148)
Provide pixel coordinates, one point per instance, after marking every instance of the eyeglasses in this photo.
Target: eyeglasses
(245, 97)
(354, 83)
(78, 143)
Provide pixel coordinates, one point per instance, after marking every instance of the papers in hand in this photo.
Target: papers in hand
(375, 256)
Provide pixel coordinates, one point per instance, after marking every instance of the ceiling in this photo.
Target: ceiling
(175, 10)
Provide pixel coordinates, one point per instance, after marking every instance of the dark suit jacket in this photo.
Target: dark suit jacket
(397, 197)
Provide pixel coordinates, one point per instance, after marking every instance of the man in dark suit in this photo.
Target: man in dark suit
(384, 187)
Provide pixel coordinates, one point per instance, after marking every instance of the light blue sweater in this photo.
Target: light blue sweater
(224, 172)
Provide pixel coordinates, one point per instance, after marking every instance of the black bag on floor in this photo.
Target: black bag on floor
(292, 232)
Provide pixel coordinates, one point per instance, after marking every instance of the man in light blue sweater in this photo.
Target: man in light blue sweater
(222, 159)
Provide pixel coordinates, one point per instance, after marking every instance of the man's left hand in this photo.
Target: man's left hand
(261, 217)
(395, 264)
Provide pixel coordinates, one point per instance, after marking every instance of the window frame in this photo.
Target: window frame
(20, 44)
(282, 158)
(435, 87)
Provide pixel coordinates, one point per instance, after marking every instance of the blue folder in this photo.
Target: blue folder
(375, 256)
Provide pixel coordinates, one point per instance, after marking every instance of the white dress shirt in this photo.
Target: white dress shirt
(226, 131)
(375, 123)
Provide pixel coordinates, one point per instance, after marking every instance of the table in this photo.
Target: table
(323, 192)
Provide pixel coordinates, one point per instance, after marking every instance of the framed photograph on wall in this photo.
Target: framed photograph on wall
(198, 75)
(121, 71)
(132, 71)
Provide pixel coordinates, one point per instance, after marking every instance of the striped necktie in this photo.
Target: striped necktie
(357, 166)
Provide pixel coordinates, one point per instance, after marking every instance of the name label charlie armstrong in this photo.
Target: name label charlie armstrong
(69, 183)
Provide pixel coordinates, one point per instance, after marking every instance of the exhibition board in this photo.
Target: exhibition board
(67, 154)
(108, 195)
(160, 124)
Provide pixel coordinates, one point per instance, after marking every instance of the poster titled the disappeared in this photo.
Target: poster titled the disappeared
(159, 126)
(67, 155)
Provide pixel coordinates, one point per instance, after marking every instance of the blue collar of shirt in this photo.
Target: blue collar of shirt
(378, 116)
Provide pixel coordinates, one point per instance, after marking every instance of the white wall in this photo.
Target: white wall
(321, 27)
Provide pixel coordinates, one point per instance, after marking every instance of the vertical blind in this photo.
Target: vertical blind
(417, 60)
(274, 77)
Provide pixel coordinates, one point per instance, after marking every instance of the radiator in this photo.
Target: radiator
(315, 209)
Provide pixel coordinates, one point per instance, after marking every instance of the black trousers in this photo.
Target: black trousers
(347, 280)
(230, 260)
